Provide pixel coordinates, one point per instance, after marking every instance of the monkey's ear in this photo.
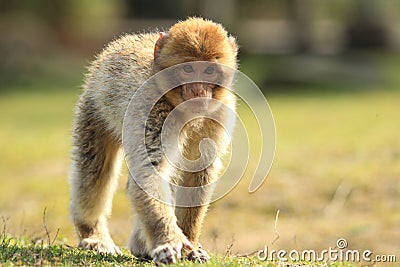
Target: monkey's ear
(234, 45)
(159, 44)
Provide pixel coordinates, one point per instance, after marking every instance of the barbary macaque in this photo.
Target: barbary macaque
(161, 231)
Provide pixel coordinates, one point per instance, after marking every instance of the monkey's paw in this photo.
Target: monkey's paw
(100, 246)
(170, 252)
(198, 255)
(166, 254)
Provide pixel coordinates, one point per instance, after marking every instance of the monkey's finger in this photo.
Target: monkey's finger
(178, 252)
(187, 245)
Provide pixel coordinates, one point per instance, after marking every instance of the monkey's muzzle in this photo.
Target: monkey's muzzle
(194, 90)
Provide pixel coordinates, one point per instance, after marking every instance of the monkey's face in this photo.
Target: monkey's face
(192, 40)
(200, 83)
(194, 72)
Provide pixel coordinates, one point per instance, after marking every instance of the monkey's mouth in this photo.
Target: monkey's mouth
(198, 97)
(197, 90)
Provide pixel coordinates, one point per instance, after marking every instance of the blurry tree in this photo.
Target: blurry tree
(300, 13)
(221, 10)
(161, 9)
(71, 23)
(366, 27)
(38, 37)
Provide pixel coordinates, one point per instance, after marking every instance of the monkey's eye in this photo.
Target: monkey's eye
(188, 68)
(209, 70)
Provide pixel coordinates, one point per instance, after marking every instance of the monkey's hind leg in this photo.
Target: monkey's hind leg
(138, 241)
(96, 161)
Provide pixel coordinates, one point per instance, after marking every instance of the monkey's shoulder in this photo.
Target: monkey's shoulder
(129, 50)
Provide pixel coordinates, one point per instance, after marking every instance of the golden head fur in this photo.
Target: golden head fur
(197, 39)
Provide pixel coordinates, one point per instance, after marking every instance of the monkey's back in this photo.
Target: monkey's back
(115, 75)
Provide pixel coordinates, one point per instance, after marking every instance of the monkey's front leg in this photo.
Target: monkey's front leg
(190, 218)
(164, 240)
(190, 221)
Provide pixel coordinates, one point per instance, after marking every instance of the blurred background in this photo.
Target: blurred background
(329, 69)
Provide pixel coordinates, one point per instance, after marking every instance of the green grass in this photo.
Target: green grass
(18, 253)
(336, 174)
(26, 253)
